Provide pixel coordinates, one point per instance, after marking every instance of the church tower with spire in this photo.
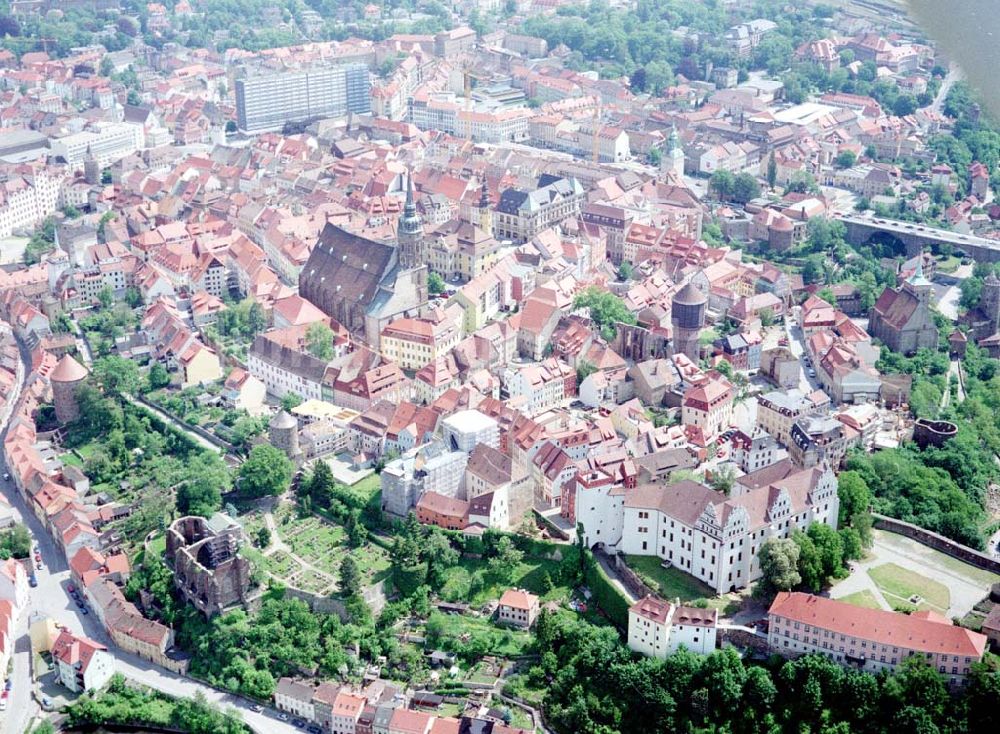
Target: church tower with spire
(483, 213)
(673, 161)
(410, 232)
(918, 285)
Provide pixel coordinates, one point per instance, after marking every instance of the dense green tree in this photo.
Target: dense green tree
(267, 471)
(15, 542)
(158, 376)
(845, 159)
(829, 546)
(290, 400)
(779, 564)
(117, 375)
(810, 563)
(854, 495)
(606, 309)
(745, 188)
(319, 340)
(350, 577)
(503, 565)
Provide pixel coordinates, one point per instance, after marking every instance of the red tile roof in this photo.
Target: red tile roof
(912, 632)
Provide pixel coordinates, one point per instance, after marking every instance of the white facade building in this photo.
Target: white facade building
(108, 143)
(702, 532)
(464, 430)
(657, 628)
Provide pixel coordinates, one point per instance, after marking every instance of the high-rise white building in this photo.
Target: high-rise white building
(267, 101)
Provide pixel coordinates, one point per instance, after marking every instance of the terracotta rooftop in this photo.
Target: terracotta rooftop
(68, 370)
(921, 633)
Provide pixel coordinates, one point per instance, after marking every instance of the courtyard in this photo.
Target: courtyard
(900, 573)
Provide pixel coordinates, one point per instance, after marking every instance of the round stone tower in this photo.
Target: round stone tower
(284, 433)
(687, 314)
(65, 379)
(91, 169)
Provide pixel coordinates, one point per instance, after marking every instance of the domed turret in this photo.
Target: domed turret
(283, 431)
(687, 314)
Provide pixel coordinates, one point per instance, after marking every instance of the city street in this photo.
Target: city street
(50, 599)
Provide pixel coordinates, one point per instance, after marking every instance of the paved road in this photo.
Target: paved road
(947, 299)
(50, 599)
(796, 344)
(954, 75)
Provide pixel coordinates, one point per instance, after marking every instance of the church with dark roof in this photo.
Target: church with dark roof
(364, 283)
(902, 318)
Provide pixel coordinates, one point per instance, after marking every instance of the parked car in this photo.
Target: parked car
(8, 685)
(71, 589)
(38, 565)
(33, 582)
(314, 729)
(812, 373)
(283, 716)
(6, 477)
(298, 723)
(256, 708)
(84, 610)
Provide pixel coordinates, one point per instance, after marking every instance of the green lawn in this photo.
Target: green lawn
(158, 546)
(368, 486)
(71, 459)
(862, 598)
(489, 639)
(672, 583)
(901, 583)
(915, 550)
(949, 264)
(450, 709)
(87, 450)
(280, 564)
(519, 718)
(470, 581)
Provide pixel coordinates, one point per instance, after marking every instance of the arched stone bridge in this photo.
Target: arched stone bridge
(917, 237)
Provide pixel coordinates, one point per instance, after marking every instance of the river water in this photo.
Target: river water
(969, 31)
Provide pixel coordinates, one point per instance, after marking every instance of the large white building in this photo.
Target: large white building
(714, 538)
(107, 143)
(466, 429)
(26, 200)
(657, 628)
(268, 101)
(873, 640)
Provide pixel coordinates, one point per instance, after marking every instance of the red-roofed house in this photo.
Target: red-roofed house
(83, 665)
(870, 639)
(657, 628)
(243, 391)
(518, 608)
(407, 721)
(708, 406)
